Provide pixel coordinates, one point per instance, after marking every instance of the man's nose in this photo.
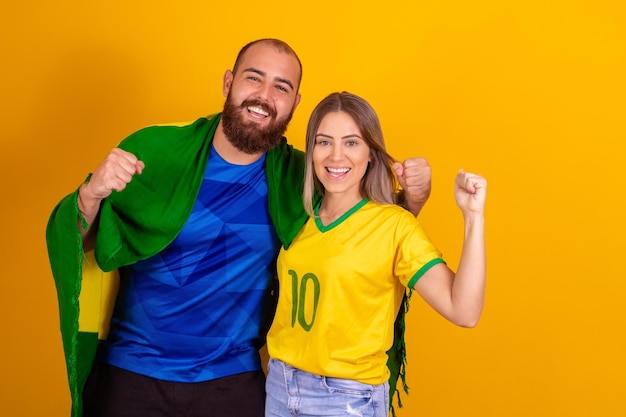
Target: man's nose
(263, 93)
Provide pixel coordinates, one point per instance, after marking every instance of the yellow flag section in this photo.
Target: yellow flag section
(97, 297)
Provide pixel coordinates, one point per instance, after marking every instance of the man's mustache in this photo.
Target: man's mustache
(257, 103)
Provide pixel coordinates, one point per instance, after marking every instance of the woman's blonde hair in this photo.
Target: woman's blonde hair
(379, 183)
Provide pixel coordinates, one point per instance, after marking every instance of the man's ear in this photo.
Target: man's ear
(227, 82)
(298, 97)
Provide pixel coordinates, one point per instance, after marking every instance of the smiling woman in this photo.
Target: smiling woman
(340, 157)
(345, 275)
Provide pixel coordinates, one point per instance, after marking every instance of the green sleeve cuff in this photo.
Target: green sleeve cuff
(423, 270)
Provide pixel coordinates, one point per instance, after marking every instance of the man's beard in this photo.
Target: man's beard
(249, 137)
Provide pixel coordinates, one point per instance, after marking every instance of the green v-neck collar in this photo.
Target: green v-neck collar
(340, 220)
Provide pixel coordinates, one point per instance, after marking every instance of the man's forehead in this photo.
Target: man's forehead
(264, 56)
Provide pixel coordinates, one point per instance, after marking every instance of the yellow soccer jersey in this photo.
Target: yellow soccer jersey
(341, 286)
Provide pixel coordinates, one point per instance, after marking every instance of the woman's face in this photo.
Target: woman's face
(340, 155)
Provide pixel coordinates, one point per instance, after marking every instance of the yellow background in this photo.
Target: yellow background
(529, 93)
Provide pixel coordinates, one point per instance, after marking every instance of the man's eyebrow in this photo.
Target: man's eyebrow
(263, 74)
(285, 81)
(256, 71)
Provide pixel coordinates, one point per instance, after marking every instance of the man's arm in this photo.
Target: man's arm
(414, 176)
(113, 173)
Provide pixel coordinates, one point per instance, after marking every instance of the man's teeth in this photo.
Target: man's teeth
(338, 170)
(258, 110)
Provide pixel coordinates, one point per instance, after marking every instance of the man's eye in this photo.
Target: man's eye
(281, 88)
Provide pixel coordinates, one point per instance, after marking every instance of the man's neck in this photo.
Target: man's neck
(230, 153)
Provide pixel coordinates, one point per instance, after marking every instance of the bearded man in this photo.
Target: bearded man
(192, 218)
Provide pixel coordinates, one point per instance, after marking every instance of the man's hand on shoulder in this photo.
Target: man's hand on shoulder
(414, 176)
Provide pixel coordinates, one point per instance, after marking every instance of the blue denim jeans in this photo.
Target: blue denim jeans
(292, 392)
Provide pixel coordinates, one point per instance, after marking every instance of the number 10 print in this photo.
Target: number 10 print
(298, 300)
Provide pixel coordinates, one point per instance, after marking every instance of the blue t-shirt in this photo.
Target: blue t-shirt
(194, 311)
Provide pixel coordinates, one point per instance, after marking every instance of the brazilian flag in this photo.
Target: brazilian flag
(86, 297)
(142, 220)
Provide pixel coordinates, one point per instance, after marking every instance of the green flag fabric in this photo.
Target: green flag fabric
(141, 221)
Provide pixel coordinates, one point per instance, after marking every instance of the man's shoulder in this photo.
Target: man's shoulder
(173, 127)
(166, 132)
(285, 150)
(189, 124)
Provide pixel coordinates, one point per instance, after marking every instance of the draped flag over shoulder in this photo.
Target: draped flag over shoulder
(140, 222)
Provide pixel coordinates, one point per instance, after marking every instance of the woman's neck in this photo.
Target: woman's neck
(333, 207)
